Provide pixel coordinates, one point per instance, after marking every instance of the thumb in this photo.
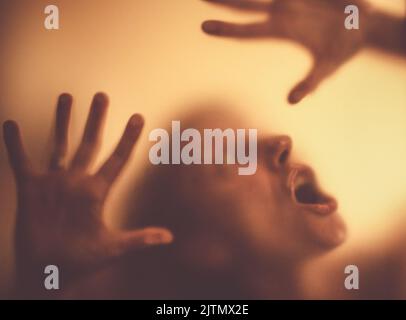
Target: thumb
(320, 71)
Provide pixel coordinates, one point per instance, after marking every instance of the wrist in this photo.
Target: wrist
(387, 32)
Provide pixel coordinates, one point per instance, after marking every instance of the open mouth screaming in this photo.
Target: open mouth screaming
(306, 193)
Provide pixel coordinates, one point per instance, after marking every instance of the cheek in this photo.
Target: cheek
(254, 210)
(265, 217)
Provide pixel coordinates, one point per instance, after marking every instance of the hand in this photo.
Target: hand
(318, 25)
(59, 216)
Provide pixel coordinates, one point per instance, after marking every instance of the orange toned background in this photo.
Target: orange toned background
(151, 57)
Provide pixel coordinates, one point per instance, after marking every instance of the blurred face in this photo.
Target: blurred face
(279, 212)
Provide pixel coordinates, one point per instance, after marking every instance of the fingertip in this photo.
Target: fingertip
(10, 127)
(158, 237)
(65, 99)
(99, 107)
(101, 98)
(167, 236)
(294, 97)
(211, 27)
(64, 107)
(7, 124)
(15, 148)
(137, 120)
(299, 92)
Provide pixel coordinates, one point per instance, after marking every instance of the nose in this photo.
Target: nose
(278, 150)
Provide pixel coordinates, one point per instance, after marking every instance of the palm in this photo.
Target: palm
(60, 220)
(318, 25)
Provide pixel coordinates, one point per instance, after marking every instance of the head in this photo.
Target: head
(227, 222)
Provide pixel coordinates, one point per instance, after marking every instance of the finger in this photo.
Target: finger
(148, 237)
(92, 135)
(243, 4)
(113, 166)
(62, 120)
(318, 73)
(250, 30)
(15, 149)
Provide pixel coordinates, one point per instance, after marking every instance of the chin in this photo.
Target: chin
(326, 232)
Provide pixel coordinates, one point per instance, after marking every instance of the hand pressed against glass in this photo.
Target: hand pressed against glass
(59, 215)
(318, 25)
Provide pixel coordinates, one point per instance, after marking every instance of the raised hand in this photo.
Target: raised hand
(59, 216)
(318, 25)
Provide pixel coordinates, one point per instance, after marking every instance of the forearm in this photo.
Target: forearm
(387, 32)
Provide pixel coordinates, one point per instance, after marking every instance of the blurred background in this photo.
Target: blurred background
(151, 57)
